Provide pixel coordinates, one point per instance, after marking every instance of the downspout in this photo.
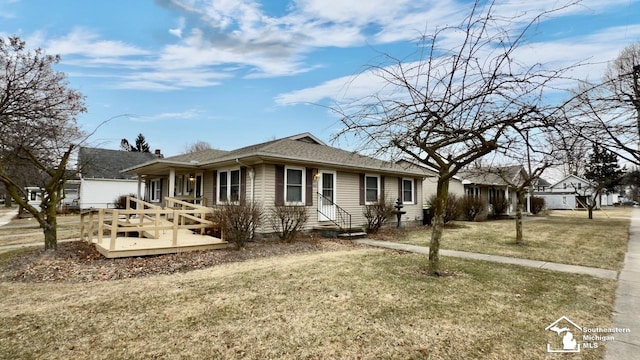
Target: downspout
(252, 175)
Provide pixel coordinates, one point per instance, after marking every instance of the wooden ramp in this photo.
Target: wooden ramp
(147, 229)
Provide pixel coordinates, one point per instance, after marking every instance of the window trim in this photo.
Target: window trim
(413, 191)
(367, 202)
(228, 185)
(303, 186)
(153, 189)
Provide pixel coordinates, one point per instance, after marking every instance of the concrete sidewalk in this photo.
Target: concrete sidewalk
(626, 310)
(601, 273)
(8, 216)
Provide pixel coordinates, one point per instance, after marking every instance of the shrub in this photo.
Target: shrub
(288, 220)
(537, 204)
(472, 206)
(238, 221)
(453, 211)
(121, 202)
(377, 214)
(500, 206)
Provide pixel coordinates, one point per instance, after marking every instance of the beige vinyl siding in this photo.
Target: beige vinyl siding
(207, 186)
(414, 211)
(348, 196)
(430, 186)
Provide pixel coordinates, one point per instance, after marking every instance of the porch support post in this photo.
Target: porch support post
(528, 202)
(172, 182)
(506, 196)
(139, 195)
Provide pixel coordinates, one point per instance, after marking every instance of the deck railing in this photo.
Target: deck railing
(145, 219)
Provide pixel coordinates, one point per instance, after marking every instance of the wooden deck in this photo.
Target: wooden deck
(155, 230)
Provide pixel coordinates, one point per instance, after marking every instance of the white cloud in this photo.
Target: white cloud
(178, 31)
(84, 42)
(188, 114)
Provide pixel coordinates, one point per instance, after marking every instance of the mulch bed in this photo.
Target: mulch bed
(79, 261)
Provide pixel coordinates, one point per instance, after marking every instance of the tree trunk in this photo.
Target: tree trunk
(590, 209)
(50, 223)
(520, 193)
(442, 195)
(7, 199)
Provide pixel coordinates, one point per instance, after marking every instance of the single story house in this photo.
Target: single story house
(570, 192)
(430, 182)
(299, 170)
(490, 185)
(101, 181)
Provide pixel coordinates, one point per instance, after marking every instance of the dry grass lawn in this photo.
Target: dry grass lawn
(360, 304)
(24, 231)
(564, 236)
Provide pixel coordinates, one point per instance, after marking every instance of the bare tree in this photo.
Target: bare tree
(450, 105)
(38, 129)
(198, 146)
(608, 113)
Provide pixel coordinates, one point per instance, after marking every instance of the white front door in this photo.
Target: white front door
(326, 202)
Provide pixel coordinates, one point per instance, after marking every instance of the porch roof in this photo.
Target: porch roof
(494, 176)
(302, 149)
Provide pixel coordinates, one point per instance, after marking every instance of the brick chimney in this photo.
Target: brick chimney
(158, 153)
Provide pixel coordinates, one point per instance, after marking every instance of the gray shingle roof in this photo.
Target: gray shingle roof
(199, 156)
(107, 164)
(301, 148)
(491, 176)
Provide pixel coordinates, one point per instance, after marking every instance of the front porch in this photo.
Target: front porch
(146, 229)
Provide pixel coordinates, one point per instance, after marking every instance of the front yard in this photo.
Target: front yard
(365, 303)
(564, 236)
(314, 299)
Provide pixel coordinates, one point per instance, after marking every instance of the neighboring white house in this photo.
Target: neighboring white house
(571, 192)
(101, 180)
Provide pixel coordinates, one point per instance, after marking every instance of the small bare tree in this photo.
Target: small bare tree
(452, 103)
(198, 146)
(38, 114)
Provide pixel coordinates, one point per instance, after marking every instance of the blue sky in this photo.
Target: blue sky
(237, 72)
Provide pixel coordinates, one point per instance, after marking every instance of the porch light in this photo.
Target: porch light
(192, 178)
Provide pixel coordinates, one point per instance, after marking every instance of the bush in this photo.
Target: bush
(453, 211)
(238, 221)
(500, 206)
(288, 220)
(121, 202)
(537, 204)
(377, 214)
(472, 206)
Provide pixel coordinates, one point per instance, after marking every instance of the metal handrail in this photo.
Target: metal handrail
(343, 218)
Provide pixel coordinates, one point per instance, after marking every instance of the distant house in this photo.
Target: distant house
(100, 178)
(300, 170)
(490, 185)
(430, 182)
(571, 192)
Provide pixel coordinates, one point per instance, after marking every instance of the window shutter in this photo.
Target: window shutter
(400, 194)
(383, 196)
(214, 198)
(161, 193)
(279, 190)
(361, 189)
(309, 186)
(415, 191)
(243, 183)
